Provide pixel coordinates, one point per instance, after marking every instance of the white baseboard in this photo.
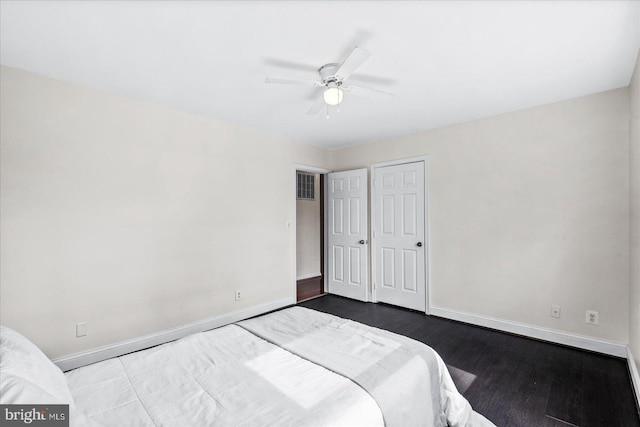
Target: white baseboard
(635, 377)
(99, 354)
(585, 343)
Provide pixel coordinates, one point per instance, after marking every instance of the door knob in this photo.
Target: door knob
(362, 242)
(419, 244)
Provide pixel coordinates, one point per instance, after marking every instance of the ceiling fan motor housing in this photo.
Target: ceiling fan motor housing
(328, 73)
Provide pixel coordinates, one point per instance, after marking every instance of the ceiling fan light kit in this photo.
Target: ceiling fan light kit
(333, 96)
(332, 78)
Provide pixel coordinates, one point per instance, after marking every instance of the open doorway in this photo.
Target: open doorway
(309, 234)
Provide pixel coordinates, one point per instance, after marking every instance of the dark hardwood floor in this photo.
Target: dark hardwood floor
(512, 380)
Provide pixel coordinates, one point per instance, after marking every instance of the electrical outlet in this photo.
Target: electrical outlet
(591, 317)
(238, 294)
(81, 330)
(555, 311)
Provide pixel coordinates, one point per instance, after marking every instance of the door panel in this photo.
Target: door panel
(399, 235)
(337, 214)
(354, 216)
(409, 211)
(388, 268)
(348, 227)
(410, 276)
(354, 266)
(338, 264)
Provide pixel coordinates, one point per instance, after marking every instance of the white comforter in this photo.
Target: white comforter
(294, 367)
(224, 377)
(408, 379)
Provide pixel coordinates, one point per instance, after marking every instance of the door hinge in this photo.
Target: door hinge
(374, 285)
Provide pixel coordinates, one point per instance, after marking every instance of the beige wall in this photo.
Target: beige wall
(136, 218)
(528, 209)
(634, 155)
(308, 235)
(133, 217)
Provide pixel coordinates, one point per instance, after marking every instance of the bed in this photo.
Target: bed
(293, 367)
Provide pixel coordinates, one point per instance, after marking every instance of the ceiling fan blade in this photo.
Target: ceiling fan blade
(366, 92)
(292, 82)
(290, 65)
(355, 59)
(317, 106)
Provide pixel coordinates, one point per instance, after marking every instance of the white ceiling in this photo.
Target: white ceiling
(447, 62)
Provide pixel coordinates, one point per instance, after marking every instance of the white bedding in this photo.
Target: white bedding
(408, 379)
(224, 377)
(294, 367)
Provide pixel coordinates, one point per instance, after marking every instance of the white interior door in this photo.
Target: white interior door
(347, 233)
(399, 235)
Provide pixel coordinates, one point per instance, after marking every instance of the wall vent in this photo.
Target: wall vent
(306, 186)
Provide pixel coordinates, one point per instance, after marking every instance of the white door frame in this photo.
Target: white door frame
(305, 168)
(427, 235)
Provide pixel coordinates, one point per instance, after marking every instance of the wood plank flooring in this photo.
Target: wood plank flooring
(512, 380)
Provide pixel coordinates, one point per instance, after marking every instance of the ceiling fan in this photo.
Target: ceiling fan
(332, 79)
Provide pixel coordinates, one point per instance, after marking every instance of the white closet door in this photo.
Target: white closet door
(399, 235)
(347, 234)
